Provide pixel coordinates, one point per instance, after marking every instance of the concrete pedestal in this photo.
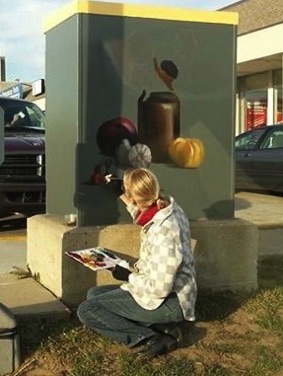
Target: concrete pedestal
(47, 241)
(226, 254)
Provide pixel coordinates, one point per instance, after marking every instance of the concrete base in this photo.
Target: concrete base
(265, 211)
(47, 241)
(270, 240)
(226, 254)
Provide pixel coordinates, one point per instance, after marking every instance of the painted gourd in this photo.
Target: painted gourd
(122, 153)
(140, 156)
(187, 152)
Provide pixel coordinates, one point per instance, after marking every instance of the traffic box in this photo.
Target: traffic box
(9, 342)
(139, 86)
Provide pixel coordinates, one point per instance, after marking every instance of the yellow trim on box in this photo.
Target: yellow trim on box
(139, 11)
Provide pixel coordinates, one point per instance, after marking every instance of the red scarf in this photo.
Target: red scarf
(144, 217)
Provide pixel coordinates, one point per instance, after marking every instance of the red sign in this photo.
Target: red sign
(256, 114)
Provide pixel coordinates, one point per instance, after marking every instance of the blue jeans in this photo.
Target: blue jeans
(114, 313)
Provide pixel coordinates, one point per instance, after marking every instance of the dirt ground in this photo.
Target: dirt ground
(225, 341)
(234, 335)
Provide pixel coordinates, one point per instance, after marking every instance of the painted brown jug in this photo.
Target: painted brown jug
(158, 122)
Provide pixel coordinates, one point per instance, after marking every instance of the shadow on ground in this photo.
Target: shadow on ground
(218, 306)
(241, 204)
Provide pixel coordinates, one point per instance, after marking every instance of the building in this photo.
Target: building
(33, 92)
(2, 68)
(259, 63)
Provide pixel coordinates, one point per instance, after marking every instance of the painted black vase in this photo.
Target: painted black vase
(158, 122)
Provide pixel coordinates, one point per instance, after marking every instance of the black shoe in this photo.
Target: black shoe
(157, 345)
(174, 329)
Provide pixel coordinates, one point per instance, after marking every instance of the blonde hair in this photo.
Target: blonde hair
(143, 187)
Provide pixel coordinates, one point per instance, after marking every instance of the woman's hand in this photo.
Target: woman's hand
(108, 178)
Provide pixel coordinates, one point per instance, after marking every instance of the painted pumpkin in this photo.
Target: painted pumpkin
(140, 156)
(187, 152)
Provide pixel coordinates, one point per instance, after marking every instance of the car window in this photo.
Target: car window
(22, 114)
(274, 140)
(249, 140)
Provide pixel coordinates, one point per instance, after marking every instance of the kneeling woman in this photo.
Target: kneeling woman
(161, 289)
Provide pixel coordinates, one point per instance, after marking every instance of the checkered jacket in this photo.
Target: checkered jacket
(166, 262)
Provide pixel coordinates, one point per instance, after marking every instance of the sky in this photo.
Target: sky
(22, 40)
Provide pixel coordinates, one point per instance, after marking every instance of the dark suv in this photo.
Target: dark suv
(22, 174)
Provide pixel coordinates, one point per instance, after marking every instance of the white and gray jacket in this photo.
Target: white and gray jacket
(166, 262)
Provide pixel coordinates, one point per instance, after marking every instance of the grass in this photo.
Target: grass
(268, 362)
(235, 335)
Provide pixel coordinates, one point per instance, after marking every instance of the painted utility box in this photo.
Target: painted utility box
(131, 86)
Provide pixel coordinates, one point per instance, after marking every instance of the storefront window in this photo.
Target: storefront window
(278, 86)
(256, 86)
(240, 117)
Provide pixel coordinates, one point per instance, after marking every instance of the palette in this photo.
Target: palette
(97, 258)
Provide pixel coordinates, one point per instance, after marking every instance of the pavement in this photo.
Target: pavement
(23, 295)
(265, 211)
(26, 298)
(13, 250)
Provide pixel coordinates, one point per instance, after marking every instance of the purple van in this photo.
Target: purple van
(22, 174)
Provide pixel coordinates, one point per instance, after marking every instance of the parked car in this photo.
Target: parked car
(259, 159)
(22, 174)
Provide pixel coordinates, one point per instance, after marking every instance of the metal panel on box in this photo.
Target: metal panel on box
(127, 88)
(9, 342)
(62, 111)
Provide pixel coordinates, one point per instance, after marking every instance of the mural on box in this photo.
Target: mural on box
(142, 91)
(156, 137)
